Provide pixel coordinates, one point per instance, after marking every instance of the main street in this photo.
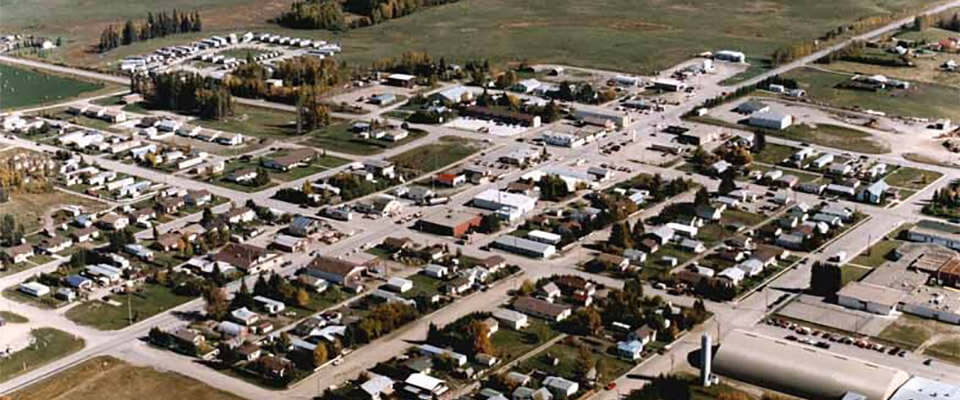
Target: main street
(126, 343)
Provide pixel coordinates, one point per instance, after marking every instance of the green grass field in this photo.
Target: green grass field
(836, 136)
(50, 345)
(876, 255)
(921, 100)
(150, 301)
(256, 121)
(912, 178)
(431, 157)
(946, 350)
(13, 318)
(23, 87)
(608, 369)
(851, 273)
(637, 36)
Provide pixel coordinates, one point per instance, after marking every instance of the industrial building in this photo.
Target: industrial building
(496, 200)
(771, 120)
(803, 371)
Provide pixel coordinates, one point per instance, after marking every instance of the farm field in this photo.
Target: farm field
(107, 378)
(51, 345)
(921, 100)
(575, 32)
(21, 87)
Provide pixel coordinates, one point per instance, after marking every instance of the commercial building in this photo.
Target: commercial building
(525, 247)
(454, 223)
(496, 200)
(602, 118)
(870, 298)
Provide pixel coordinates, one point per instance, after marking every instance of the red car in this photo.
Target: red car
(611, 386)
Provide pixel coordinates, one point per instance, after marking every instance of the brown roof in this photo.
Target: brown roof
(237, 211)
(766, 253)
(493, 260)
(17, 250)
(84, 232)
(396, 243)
(247, 349)
(950, 268)
(294, 157)
(169, 240)
(240, 255)
(531, 304)
(333, 266)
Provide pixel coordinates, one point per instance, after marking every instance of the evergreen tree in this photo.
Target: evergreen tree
(620, 235)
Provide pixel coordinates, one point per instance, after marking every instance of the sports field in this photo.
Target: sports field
(23, 87)
(629, 35)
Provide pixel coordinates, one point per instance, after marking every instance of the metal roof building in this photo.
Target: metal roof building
(918, 388)
(803, 371)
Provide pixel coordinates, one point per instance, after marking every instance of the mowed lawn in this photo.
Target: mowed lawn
(338, 137)
(912, 178)
(21, 87)
(107, 378)
(255, 121)
(151, 300)
(920, 100)
(50, 345)
(627, 35)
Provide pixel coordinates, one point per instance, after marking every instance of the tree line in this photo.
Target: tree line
(332, 15)
(139, 30)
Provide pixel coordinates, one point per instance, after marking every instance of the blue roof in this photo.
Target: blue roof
(76, 280)
(631, 346)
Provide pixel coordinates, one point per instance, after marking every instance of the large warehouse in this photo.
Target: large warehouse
(803, 371)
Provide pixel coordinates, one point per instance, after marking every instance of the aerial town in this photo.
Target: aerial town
(480, 200)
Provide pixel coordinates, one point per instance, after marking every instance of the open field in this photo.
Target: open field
(150, 301)
(568, 356)
(21, 87)
(256, 121)
(106, 378)
(912, 178)
(29, 208)
(13, 318)
(431, 157)
(593, 34)
(50, 345)
(575, 32)
(835, 136)
(921, 100)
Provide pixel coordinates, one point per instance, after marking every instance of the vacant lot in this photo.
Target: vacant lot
(29, 208)
(920, 100)
(947, 350)
(106, 378)
(836, 136)
(21, 87)
(910, 331)
(50, 345)
(876, 255)
(151, 300)
(434, 156)
(912, 178)
(256, 121)
(568, 356)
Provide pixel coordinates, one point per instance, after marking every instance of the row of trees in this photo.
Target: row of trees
(943, 20)
(161, 25)
(11, 231)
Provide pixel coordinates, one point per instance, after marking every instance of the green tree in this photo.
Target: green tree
(826, 279)
(702, 197)
(620, 235)
(727, 184)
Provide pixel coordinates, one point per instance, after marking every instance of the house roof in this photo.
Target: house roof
(333, 266)
(530, 304)
(241, 255)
